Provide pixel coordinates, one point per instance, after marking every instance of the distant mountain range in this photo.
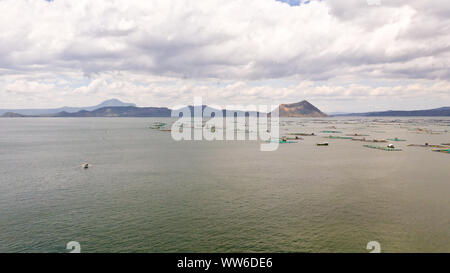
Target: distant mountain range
(438, 112)
(116, 108)
(42, 112)
(119, 111)
(12, 115)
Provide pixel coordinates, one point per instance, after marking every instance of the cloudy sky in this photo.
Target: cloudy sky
(341, 55)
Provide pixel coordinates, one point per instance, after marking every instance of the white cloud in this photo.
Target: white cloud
(86, 47)
(151, 92)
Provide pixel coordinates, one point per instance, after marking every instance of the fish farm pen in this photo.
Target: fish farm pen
(382, 148)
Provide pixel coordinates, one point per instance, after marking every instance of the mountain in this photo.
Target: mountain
(111, 103)
(300, 110)
(119, 111)
(132, 111)
(116, 108)
(35, 112)
(12, 115)
(437, 112)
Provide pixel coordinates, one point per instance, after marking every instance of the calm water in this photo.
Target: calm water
(148, 193)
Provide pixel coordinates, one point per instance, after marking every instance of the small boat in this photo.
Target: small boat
(391, 146)
(322, 144)
(382, 148)
(396, 139)
(85, 165)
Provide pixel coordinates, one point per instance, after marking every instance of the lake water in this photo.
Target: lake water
(148, 193)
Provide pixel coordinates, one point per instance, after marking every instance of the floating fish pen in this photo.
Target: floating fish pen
(301, 134)
(382, 148)
(370, 140)
(157, 125)
(356, 135)
(337, 137)
(446, 144)
(426, 131)
(281, 141)
(331, 132)
(429, 133)
(426, 145)
(396, 139)
(294, 138)
(446, 151)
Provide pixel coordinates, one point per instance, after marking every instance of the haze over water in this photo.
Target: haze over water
(148, 193)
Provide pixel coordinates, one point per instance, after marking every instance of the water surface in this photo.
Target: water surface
(148, 193)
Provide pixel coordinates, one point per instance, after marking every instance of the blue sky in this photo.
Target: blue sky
(293, 2)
